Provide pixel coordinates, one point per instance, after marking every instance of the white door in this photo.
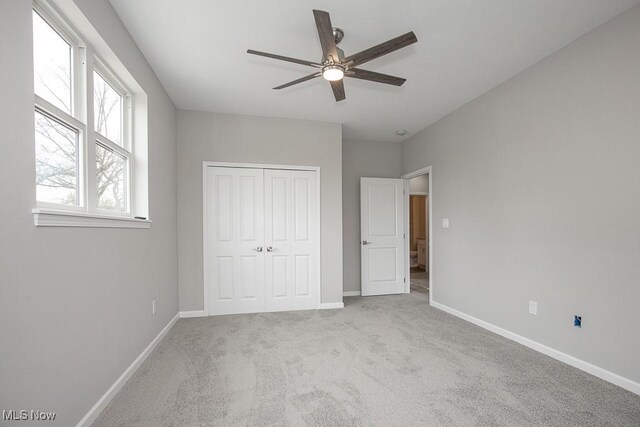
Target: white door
(382, 236)
(235, 235)
(291, 240)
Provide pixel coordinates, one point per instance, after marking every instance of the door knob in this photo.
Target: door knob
(269, 249)
(258, 249)
(364, 242)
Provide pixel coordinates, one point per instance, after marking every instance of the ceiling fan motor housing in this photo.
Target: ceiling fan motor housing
(338, 34)
(332, 61)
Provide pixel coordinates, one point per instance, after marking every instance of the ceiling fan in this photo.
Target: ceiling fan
(334, 65)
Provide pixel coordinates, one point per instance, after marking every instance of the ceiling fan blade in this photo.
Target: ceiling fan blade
(358, 73)
(300, 80)
(284, 58)
(325, 32)
(338, 90)
(381, 49)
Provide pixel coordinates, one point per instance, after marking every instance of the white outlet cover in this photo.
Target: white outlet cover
(533, 308)
(445, 222)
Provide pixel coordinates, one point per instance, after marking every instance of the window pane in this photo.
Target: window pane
(56, 161)
(111, 170)
(107, 109)
(52, 65)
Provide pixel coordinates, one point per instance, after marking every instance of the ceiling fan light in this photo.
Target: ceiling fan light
(333, 73)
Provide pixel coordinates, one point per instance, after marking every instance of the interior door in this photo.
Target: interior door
(291, 240)
(235, 231)
(382, 236)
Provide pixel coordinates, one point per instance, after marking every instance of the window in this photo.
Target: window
(113, 155)
(111, 179)
(83, 124)
(57, 134)
(107, 109)
(53, 59)
(57, 161)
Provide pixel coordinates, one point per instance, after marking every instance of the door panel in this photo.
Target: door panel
(301, 209)
(291, 226)
(235, 268)
(225, 278)
(382, 213)
(279, 278)
(302, 275)
(248, 223)
(280, 209)
(250, 269)
(382, 265)
(382, 236)
(224, 184)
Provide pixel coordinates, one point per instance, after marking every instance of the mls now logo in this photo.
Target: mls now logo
(24, 415)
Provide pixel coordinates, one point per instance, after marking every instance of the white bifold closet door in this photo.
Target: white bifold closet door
(262, 240)
(235, 261)
(291, 224)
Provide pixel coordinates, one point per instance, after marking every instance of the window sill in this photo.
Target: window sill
(58, 218)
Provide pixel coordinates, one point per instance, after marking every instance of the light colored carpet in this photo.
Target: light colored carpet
(383, 361)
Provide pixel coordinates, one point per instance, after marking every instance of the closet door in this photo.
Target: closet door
(234, 258)
(291, 240)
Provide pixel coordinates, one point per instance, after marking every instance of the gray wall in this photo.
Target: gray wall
(244, 139)
(541, 181)
(75, 304)
(368, 159)
(419, 184)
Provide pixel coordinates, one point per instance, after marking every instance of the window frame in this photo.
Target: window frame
(84, 61)
(80, 184)
(73, 119)
(126, 148)
(67, 34)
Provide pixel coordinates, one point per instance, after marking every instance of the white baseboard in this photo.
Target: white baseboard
(351, 294)
(102, 403)
(201, 313)
(189, 314)
(330, 305)
(594, 370)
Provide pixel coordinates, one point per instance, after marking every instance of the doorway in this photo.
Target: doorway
(419, 229)
(418, 240)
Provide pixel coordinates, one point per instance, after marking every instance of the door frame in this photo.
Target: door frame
(205, 246)
(407, 250)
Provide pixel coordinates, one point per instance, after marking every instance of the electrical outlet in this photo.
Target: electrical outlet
(153, 307)
(577, 321)
(445, 222)
(533, 308)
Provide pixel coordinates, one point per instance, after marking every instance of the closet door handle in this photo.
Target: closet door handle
(364, 242)
(269, 249)
(258, 249)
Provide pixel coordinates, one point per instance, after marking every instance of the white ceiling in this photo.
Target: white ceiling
(465, 48)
